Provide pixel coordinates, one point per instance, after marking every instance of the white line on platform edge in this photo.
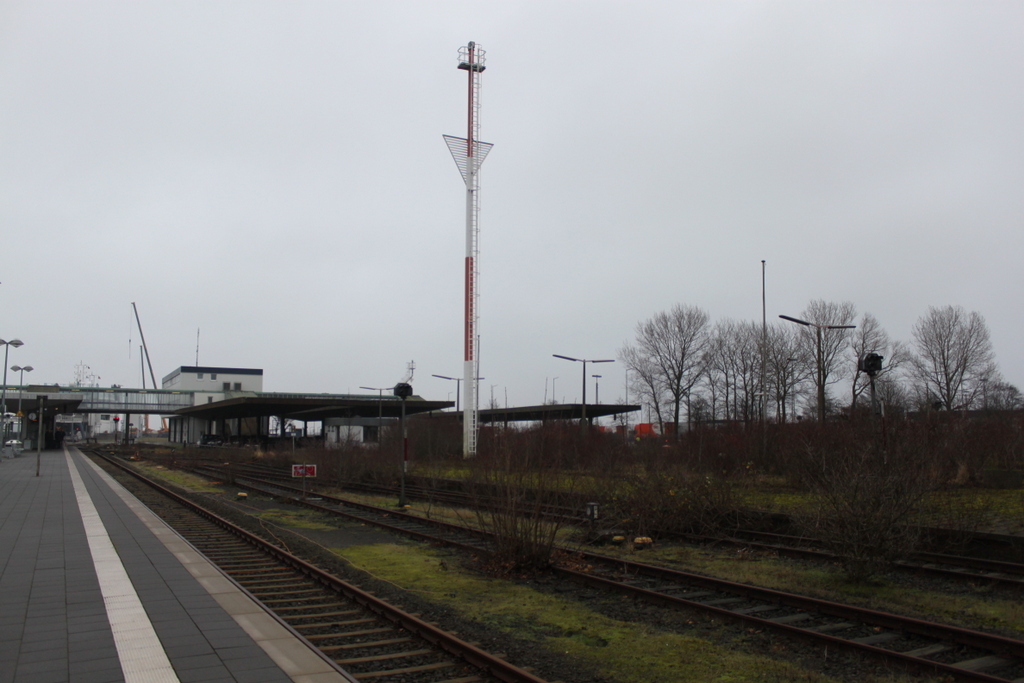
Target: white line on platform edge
(143, 659)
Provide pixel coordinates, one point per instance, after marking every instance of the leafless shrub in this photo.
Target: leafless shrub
(515, 487)
(868, 495)
(655, 502)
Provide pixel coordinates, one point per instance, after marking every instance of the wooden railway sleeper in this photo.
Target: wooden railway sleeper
(372, 643)
(302, 608)
(357, 634)
(383, 658)
(283, 582)
(335, 624)
(407, 670)
(321, 615)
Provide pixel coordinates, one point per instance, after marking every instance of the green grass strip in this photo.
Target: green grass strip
(620, 650)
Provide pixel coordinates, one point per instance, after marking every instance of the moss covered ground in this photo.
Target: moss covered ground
(620, 650)
(185, 480)
(979, 607)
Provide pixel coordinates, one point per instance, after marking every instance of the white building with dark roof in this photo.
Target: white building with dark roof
(205, 379)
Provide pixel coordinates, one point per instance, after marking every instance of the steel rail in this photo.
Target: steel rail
(791, 541)
(442, 639)
(1005, 573)
(897, 623)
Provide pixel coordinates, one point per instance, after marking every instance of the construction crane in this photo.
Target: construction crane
(152, 376)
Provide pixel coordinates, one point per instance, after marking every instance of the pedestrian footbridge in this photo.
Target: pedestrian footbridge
(95, 399)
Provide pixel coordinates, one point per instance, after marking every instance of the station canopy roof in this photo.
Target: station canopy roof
(553, 411)
(310, 407)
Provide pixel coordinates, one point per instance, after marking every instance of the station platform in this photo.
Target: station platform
(95, 588)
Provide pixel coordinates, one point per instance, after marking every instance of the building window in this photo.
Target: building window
(213, 375)
(227, 386)
(238, 386)
(199, 375)
(104, 417)
(209, 399)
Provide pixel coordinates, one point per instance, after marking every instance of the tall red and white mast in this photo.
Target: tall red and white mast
(469, 153)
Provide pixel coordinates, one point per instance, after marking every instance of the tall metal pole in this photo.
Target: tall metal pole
(405, 458)
(3, 405)
(584, 414)
(3, 401)
(764, 345)
(21, 388)
(764, 364)
(380, 411)
(821, 380)
(469, 154)
(39, 439)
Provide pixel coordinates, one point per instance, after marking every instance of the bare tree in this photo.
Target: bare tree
(785, 372)
(828, 368)
(954, 355)
(671, 345)
(870, 337)
(997, 394)
(739, 361)
(719, 372)
(732, 376)
(645, 381)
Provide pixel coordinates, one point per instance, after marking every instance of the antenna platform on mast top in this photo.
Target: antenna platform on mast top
(471, 58)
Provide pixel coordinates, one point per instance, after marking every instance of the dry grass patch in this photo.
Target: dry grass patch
(185, 480)
(620, 650)
(296, 519)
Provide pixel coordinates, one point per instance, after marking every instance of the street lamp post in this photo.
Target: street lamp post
(39, 436)
(820, 360)
(583, 418)
(458, 382)
(21, 383)
(625, 416)
(380, 410)
(403, 391)
(3, 399)
(597, 389)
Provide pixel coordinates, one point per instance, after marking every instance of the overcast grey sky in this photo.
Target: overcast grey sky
(273, 174)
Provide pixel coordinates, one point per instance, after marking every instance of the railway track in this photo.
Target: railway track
(370, 639)
(955, 567)
(446, 492)
(988, 550)
(935, 648)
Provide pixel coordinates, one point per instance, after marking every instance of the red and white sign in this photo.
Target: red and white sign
(304, 471)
